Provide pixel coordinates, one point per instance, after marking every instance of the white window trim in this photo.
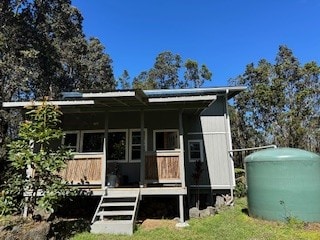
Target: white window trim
(78, 138)
(82, 132)
(201, 150)
(127, 148)
(130, 143)
(165, 130)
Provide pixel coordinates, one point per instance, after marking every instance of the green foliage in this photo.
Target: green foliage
(35, 163)
(144, 81)
(124, 80)
(195, 75)
(165, 70)
(97, 70)
(11, 195)
(166, 73)
(281, 105)
(241, 187)
(43, 51)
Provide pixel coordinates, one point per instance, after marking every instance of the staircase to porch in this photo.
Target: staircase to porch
(116, 212)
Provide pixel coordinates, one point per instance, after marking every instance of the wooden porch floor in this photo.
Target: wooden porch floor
(144, 191)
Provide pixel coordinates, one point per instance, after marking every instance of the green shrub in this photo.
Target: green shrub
(241, 186)
(36, 171)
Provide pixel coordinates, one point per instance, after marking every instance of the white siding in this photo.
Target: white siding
(216, 138)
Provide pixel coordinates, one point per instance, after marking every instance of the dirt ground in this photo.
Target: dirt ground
(150, 224)
(313, 226)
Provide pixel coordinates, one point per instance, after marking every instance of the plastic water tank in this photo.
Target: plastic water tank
(283, 183)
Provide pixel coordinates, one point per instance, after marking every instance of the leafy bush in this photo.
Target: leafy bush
(241, 186)
(36, 171)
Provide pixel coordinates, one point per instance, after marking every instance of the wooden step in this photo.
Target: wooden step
(118, 204)
(119, 192)
(115, 213)
(119, 199)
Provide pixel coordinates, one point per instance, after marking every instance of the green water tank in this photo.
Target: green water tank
(283, 183)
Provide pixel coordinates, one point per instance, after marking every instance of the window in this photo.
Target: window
(117, 145)
(121, 146)
(195, 150)
(71, 140)
(92, 141)
(135, 145)
(165, 140)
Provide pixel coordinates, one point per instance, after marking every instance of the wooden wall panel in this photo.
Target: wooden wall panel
(162, 168)
(83, 169)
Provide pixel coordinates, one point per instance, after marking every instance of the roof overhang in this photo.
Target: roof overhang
(230, 92)
(112, 99)
(39, 103)
(131, 100)
(182, 99)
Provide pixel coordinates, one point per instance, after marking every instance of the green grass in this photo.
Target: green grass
(230, 223)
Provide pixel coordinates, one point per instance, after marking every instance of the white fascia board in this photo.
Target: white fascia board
(109, 94)
(39, 103)
(183, 99)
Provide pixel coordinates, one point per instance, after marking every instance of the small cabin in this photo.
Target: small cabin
(147, 143)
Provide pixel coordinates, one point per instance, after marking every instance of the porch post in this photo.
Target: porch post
(142, 150)
(105, 150)
(181, 209)
(181, 157)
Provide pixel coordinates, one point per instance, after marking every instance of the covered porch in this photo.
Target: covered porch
(94, 173)
(137, 132)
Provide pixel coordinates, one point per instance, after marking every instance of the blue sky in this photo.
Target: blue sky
(226, 35)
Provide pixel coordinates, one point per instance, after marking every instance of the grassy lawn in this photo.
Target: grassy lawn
(231, 224)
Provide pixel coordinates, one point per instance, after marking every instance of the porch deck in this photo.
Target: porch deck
(144, 191)
(162, 174)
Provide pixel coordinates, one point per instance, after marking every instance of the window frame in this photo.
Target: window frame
(82, 132)
(128, 141)
(200, 141)
(127, 146)
(131, 145)
(77, 132)
(165, 130)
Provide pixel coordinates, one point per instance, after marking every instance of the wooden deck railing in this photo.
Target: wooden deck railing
(162, 167)
(83, 169)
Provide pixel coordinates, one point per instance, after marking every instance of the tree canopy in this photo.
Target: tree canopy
(43, 51)
(281, 105)
(167, 73)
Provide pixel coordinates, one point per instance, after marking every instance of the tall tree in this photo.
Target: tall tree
(43, 51)
(124, 80)
(98, 72)
(44, 41)
(167, 73)
(280, 104)
(144, 81)
(194, 75)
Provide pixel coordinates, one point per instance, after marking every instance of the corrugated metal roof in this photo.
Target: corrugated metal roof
(231, 91)
(120, 99)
